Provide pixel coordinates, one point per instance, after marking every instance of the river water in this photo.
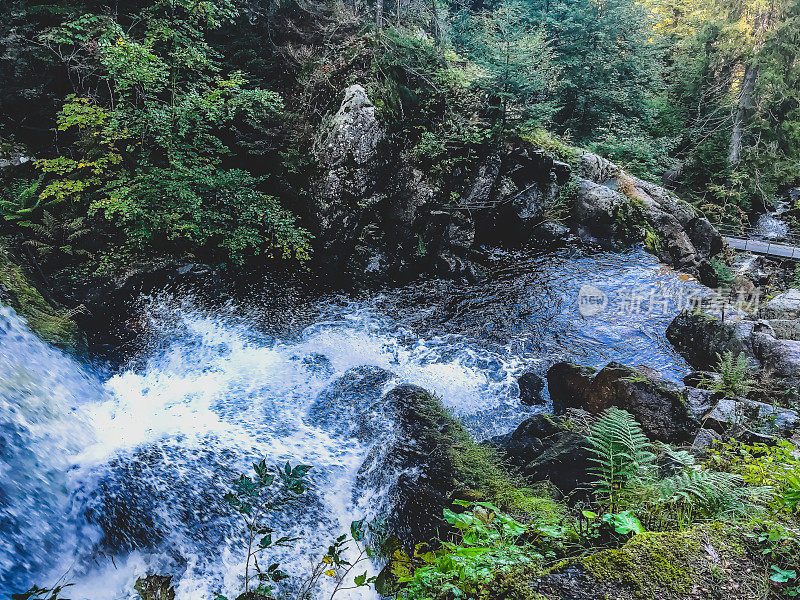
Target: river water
(105, 477)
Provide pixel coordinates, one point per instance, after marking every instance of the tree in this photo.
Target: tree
(518, 69)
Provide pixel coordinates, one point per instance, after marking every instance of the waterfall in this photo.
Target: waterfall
(107, 478)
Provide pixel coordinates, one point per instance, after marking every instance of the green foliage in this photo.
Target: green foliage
(37, 593)
(621, 453)
(490, 543)
(722, 271)
(273, 490)
(516, 65)
(254, 499)
(736, 374)
(776, 466)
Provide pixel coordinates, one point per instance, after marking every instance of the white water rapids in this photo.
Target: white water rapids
(106, 478)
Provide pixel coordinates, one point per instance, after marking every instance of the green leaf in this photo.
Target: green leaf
(782, 575)
(357, 530)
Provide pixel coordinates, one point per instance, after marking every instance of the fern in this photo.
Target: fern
(711, 494)
(735, 374)
(621, 453)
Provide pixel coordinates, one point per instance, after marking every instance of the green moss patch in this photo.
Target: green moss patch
(53, 325)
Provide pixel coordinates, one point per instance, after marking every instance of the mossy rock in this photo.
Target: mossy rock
(53, 325)
(706, 561)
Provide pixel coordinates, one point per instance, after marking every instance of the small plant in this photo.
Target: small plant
(621, 453)
(254, 498)
(736, 374)
(37, 593)
(722, 271)
(491, 542)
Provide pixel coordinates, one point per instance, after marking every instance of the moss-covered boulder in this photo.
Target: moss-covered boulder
(437, 461)
(52, 324)
(708, 561)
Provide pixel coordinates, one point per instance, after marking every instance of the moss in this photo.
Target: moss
(649, 561)
(51, 324)
(514, 584)
(479, 472)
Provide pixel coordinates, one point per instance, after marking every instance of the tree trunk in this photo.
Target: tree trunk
(743, 107)
(379, 14)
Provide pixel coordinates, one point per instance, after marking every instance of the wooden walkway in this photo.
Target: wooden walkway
(780, 249)
(748, 240)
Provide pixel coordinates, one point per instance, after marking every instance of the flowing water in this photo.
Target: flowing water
(107, 477)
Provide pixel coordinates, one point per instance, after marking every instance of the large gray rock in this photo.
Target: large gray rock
(348, 187)
(595, 207)
(700, 339)
(354, 132)
(659, 406)
(739, 413)
(783, 314)
(597, 169)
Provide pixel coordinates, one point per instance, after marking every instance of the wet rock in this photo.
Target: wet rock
(531, 386)
(699, 338)
(566, 380)
(350, 406)
(141, 500)
(484, 182)
(548, 234)
(155, 587)
(422, 456)
(657, 404)
(545, 448)
(730, 414)
(318, 363)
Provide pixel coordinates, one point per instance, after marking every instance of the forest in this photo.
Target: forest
(409, 299)
(189, 126)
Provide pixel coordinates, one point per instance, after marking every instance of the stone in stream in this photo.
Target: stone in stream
(531, 387)
(658, 405)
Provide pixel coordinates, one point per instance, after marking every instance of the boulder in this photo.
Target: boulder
(545, 448)
(349, 406)
(565, 381)
(705, 440)
(597, 169)
(657, 404)
(563, 171)
(594, 209)
(701, 338)
(531, 386)
(429, 460)
(783, 313)
(738, 413)
(348, 186)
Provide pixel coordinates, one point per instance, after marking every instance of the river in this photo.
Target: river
(107, 476)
